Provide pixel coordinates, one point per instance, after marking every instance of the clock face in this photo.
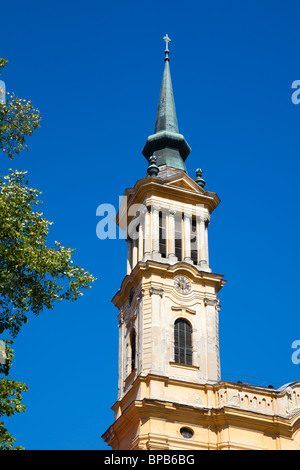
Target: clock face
(182, 285)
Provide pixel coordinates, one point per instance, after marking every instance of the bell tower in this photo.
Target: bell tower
(170, 393)
(168, 301)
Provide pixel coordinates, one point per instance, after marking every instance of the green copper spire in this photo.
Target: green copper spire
(166, 119)
(170, 147)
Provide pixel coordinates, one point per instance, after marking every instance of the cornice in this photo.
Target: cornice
(164, 188)
(145, 268)
(213, 417)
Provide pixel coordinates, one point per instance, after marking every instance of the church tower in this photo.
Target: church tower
(170, 394)
(168, 304)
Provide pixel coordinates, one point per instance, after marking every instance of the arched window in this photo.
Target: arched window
(133, 350)
(183, 341)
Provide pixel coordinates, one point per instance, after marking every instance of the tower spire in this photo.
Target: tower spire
(167, 144)
(166, 119)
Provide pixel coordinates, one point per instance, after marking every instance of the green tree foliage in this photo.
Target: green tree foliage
(33, 276)
(18, 120)
(10, 399)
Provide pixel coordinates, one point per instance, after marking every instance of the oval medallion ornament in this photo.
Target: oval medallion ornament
(182, 285)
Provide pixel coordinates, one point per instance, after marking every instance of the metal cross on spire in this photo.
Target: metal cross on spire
(167, 40)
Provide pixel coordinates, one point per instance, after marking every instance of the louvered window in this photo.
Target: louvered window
(183, 341)
(133, 350)
(194, 252)
(178, 237)
(162, 235)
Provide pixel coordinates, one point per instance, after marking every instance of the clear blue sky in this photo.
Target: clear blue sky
(94, 70)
